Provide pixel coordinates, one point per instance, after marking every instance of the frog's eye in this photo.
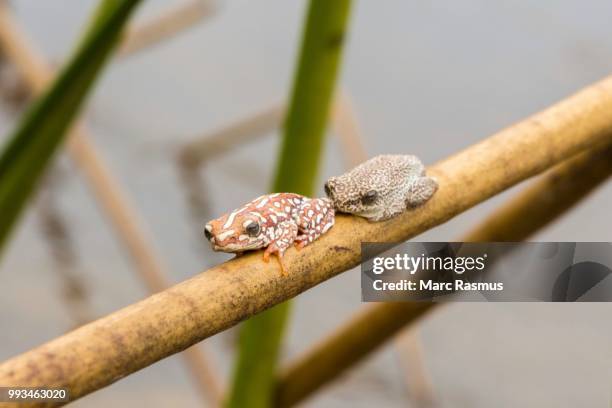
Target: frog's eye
(253, 229)
(369, 197)
(327, 189)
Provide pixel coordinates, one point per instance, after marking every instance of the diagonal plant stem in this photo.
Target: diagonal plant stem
(13, 94)
(343, 120)
(409, 348)
(194, 153)
(359, 336)
(138, 335)
(297, 170)
(37, 74)
(161, 28)
(545, 200)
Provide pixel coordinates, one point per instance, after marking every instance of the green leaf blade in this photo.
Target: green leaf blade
(43, 128)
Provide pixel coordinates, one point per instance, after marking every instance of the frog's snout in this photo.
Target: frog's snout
(208, 233)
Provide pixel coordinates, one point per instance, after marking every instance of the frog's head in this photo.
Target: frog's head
(237, 231)
(372, 188)
(355, 196)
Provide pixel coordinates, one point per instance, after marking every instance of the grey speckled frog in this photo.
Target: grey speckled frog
(382, 187)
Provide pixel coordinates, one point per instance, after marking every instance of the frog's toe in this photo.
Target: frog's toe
(282, 265)
(301, 241)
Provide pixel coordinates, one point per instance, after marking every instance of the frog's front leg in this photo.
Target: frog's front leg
(314, 218)
(284, 235)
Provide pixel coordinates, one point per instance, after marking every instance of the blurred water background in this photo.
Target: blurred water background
(427, 78)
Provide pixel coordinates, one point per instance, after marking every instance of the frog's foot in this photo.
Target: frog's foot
(421, 191)
(274, 249)
(302, 240)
